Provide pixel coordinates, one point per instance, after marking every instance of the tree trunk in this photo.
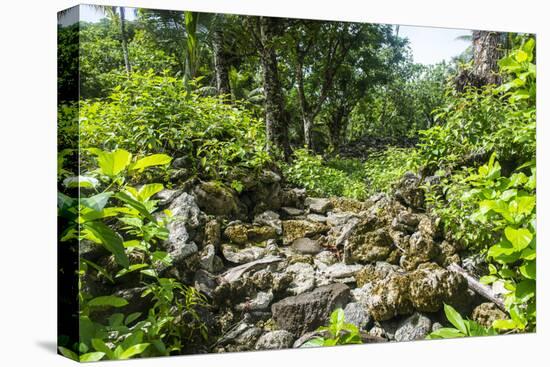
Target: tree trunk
(275, 119)
(335, 127)
(220, 63)
(124, 40)
(487, 52)
(308, 132)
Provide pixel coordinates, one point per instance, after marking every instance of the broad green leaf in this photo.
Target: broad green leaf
(68, 353)
(146, 191)
(529, 254)
(131, 318)
(455, 319)
(100, 346)
(80, 181)
(134, 204)
(525, 290)
(96, 202)
(315, 342)
(92, 357)
(529, 270)
(64, 202)
(503, 253)
(521, 56)
(149, 161)
(519, 238)
(111, 301)
(130, 269)
(112, 163)
(526, 204)
(110, 240)
(133, 350)
(445, 333)
(504, 324)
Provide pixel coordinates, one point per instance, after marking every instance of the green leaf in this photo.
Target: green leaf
(146, 191)
(64, 202)
(529, 270)
(149, 161)
(519, 238)
(80, 181)
(100, 346)
(112, 163)
(111, 301)
(68, 353)
(525, 290)
(521, 56)
(92, 357)
(131, 318)
(96, 202)
(445, 333)
(315, 342)
(110, 240)
(135, 204)
(504, 324)
(134, 350)
(526, 204)
(130, 269)
(455, 319)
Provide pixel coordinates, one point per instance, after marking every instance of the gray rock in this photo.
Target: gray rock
(258, 303)
(355, 314)
(306, 246)
(242, 256)
(269, 218)
(339, 219)
(209, 261)
(409, 192)
(303, 278)
(318, 205)
(415, 327)
(298, 228)
(268, 177)
(307, 311)
(316, 218)
(166, 196)
(326, 257)
(278, 339)
(341, 270)
(216, 199)
(205, 282)
(293, 212)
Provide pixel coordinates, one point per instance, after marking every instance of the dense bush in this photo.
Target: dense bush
(150, 113)
(111, 214)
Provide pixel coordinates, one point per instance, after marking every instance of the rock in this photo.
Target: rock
(268, 177)
(339, 219)
(293, 198)
(346, 231)
(318, 205)
(406, 222)
(205, 282)
(303, 278)
(367, 243)
(326, 257)
(186, 216)
(486, 313)
(209, 261)
(244, 233)
(415, 327)
(342, 204)
(316, 218)
(292, 212)
(259, 303)
(307, 311)
(297, 228)
(409, 192)
(425, 290)
(270, 218)
(341, 271)
(212, 233)
(306, 246)
(305, 338)
(421, 249)
(216, 199)
(371, 273)
(242, 256)
(243, 339)
(278, 339)
(166, 196)
(355, 314)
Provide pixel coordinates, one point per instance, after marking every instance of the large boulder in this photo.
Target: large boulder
(278, 339)
(367, 242)
(425, 290)
(306, 312)
(409, 192)
(297, 228)
(414, 327)
(216, 199)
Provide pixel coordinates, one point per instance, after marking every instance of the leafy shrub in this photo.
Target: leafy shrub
(150, 113)
(339, 332)
(319, 178)
(382, 169)
(461, 327)
(130, 232)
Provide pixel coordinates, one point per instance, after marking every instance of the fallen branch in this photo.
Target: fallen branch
(481, 289)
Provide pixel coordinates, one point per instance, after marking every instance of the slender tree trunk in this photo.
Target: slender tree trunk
(487, 52)
(220, 63)
(335, 127)
(275, 120)
(124, 40)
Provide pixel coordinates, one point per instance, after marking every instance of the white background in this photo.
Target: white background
(28, 166)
